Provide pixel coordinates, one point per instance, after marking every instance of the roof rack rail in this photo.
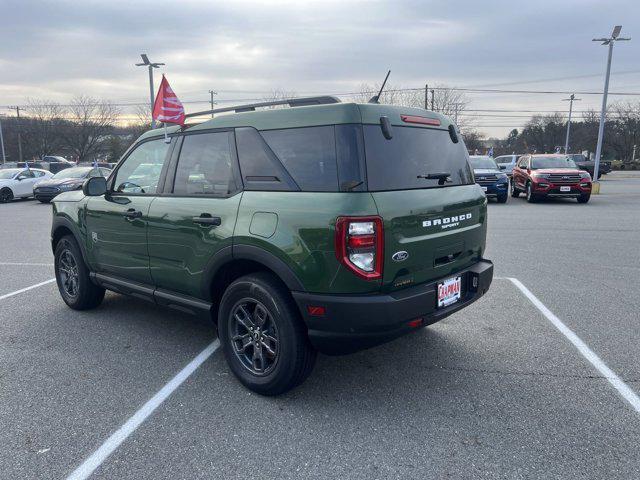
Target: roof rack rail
(292, 102)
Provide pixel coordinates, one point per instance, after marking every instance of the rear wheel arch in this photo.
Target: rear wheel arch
(225, 268)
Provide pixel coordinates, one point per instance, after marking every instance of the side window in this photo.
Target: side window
(260, 168)
(308, 154)
(26, 174)
(205, 165)
(140, 172)
(522, 162)
(94, 172)
(350, 151)
(105, 172)
(38, 174)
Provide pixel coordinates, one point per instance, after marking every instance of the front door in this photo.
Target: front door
(24, 184)
(117, 221)
(196, 216)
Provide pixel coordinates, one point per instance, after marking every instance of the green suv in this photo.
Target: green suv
(325, 226)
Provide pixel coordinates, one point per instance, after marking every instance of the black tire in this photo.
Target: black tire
(515, 193)
(584, 198)
(261, 300)
(72, 276)
(43, 201)
(502, 198)
(6, 195)
(531, 197)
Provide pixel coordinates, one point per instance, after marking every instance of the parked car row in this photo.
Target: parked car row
(42, 184)
(508, 162)
(537, 176)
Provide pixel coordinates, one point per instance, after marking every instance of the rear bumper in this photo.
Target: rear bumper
(356, 322)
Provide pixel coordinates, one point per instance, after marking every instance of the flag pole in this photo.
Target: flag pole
(166, 137)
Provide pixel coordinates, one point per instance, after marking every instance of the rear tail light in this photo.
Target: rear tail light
(360, 245)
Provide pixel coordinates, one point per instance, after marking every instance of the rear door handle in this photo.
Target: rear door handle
(207, 219)
(132, 214)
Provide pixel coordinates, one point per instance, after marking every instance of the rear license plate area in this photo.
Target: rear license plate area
(449, 291)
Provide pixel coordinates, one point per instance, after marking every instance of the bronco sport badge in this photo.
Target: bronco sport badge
(447, 222)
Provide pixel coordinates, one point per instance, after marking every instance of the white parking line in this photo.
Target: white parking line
(26, 289)
(120, 435)
(622, 388)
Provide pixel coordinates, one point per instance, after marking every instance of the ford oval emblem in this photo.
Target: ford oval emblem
(400, 256)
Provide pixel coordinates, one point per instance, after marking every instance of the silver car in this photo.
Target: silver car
(506, 163)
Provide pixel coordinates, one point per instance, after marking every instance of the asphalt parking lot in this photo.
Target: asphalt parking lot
(494, 391)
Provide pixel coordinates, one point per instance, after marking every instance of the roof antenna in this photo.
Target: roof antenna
(375, 98)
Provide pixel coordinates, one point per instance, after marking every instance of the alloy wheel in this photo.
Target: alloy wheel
(68, 269)
(254, 336)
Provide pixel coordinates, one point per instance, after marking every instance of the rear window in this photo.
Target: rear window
(397, 164)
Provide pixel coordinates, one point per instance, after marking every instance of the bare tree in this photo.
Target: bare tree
(278, 94)
(43, 127)
(91, 120)
(444, 100)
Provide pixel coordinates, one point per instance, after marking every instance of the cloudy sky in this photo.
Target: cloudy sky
(244, 49)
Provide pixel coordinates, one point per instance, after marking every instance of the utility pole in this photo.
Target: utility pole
(4, 158)
(433, 93)
(426, 96)
(17, 108)
(212, 93)
(571, 99)
(609, 42)
(151, 65)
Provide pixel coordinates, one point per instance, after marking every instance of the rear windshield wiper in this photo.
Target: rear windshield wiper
(440, 176)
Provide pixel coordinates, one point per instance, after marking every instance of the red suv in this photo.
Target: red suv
(550, 176)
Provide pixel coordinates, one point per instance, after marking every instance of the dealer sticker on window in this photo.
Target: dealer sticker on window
(449, 291)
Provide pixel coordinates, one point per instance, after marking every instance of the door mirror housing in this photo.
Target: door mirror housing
(94, 186)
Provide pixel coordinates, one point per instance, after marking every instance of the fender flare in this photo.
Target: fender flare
(249, 252)
(64, 222)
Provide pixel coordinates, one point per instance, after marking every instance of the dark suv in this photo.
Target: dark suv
(324, 227)
(583, 163)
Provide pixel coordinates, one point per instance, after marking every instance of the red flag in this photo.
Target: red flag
(167, 108)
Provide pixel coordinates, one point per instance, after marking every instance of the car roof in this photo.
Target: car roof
(309, 116)
(548, 155)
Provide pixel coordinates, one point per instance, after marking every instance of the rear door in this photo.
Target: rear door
(432, 227)
(196, 216)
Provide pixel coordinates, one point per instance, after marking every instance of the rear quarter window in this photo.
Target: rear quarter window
(308, 154)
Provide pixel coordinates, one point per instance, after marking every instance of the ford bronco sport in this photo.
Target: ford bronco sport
(326, 227)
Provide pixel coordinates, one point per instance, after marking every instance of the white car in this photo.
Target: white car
(19, 182)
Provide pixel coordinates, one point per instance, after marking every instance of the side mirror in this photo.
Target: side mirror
(94, 186)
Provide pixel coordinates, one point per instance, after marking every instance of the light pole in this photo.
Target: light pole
(4, 158)
(615, 36)
(151, 65)
(571, 99)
